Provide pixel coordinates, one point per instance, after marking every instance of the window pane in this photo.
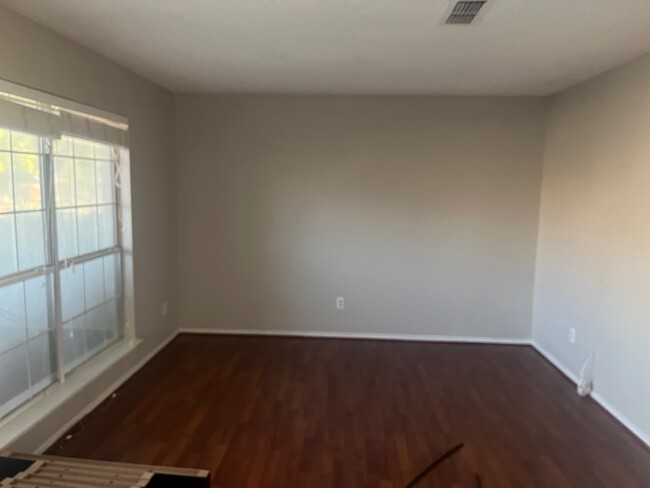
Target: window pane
(6, 184)
(12, 316)
(8, 257)
(87, 229)
(94, 282)
(64, 182)
(38, 298)
(62, 146)
(5, 144)
(72, 292)
(103, 151)
(85, 182)
(105, 185)
(42, 360)
(112, 277)
(14, 379)
(96, 325)
(74, 342)
(66, 222)
(23, 142)
(31, 240)
(27, 181)
(83, 148)
(113, 327)
(106, 222)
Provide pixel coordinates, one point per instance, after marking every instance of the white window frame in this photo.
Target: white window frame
(36, 408)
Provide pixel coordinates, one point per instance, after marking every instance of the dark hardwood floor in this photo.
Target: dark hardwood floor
(285, 412)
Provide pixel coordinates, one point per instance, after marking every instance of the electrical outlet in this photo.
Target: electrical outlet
(340, 303)
(165, 309)
(572, 335)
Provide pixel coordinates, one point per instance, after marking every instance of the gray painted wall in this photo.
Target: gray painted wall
(593, 261)
(421, 212)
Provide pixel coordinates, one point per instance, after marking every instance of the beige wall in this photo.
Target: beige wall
(421, 212)
(34, 56)
(593, 262)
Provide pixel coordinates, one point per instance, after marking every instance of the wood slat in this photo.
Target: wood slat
(110, 465)
(62, 473)
(71, 478)
(59, 471)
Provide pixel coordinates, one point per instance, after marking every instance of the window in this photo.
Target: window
(61, 299)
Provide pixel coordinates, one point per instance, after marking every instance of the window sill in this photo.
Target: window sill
(42, 405)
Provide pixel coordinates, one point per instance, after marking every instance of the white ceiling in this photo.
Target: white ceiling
(520, 47)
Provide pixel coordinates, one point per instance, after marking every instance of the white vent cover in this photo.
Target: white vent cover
(465, 11)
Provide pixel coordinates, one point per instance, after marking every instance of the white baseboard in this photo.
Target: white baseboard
(556, 362)
(358, 335)
(614, 412)
(598, 398)
(104, 395)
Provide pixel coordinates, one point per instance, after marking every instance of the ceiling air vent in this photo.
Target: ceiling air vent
(465, 11)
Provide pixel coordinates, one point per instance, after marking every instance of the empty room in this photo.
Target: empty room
(299, 244)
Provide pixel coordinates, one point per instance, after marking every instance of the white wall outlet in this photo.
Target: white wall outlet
(165, 308)
(572, 335)
(340, 303)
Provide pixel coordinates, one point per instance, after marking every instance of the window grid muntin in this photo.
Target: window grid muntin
(22, 277)
(96, 206)
(80, 259)
(15, 212)
(32, 388)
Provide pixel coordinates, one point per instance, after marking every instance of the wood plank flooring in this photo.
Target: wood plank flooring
(292, 412)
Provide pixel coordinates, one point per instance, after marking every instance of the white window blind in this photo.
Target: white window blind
(78, 125)
(49, 120)
(61, 299)
(23, 118)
